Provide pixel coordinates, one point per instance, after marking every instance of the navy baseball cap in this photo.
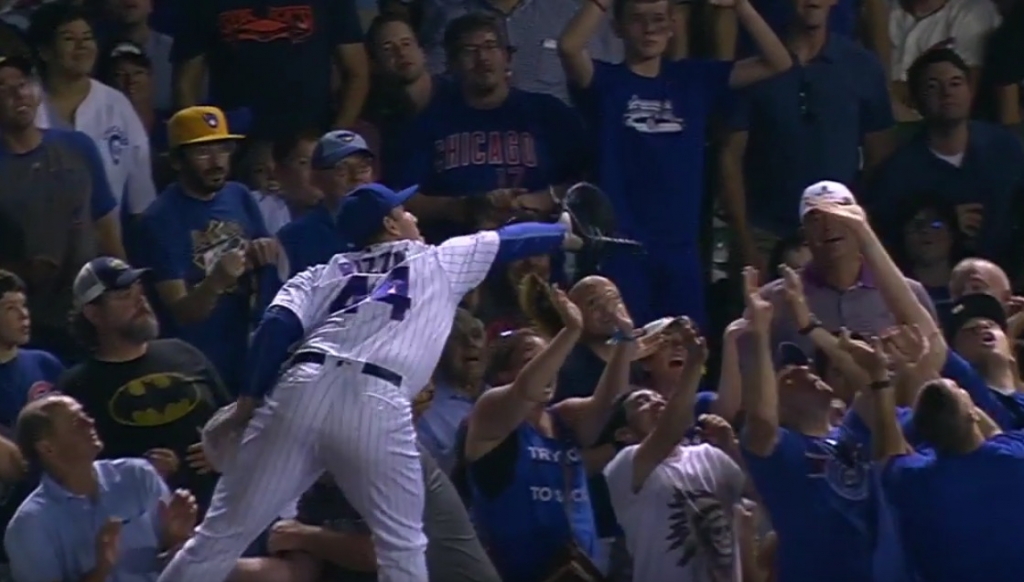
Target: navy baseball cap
(790, 354)
(334, 146)
(101, 275)
(974, 306)
(19, 62)
(363, 209)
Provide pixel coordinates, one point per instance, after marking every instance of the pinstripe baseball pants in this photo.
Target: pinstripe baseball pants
(328, 417)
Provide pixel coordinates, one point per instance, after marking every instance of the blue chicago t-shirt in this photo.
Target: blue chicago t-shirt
(530, 141)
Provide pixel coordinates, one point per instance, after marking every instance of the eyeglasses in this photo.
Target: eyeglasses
(925, 224)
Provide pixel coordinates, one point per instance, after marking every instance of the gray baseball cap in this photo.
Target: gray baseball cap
(335, 146)
(101, 275)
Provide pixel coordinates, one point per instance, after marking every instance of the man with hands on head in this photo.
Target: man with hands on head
(90, 520)
(957, 520)
(700, 483)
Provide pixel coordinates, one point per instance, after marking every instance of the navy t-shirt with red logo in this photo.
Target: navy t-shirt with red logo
(29, 375)
(269, 55)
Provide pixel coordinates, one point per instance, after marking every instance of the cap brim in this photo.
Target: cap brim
(210, 138)
(402, 196)
(129, 277)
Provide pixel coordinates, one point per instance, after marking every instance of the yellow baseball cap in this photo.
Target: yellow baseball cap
(199, 124)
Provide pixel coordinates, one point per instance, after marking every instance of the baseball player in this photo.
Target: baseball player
(369, 326)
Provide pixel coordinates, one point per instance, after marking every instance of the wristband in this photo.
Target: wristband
(813, 325)
(619, 337)
(879, 385)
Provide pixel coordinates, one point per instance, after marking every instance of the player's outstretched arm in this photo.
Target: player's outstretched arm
(467, 259)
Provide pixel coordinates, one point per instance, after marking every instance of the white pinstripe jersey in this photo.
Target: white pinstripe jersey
(392, 304)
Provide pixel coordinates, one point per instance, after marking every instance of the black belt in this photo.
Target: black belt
(310, 357)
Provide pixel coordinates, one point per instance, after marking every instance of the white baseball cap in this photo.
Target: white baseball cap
(825, 191)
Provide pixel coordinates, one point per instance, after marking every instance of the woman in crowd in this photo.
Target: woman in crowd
(522, 454)
(63, 37)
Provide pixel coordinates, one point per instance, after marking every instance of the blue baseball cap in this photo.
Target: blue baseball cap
(335, 146)
(101, 275)
(363, 210)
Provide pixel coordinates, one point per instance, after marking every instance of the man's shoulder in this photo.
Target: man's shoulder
(27, 516)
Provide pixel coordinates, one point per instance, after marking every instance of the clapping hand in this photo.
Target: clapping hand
(178, 517)
(263, 251)
(758, 309)
(108, 543)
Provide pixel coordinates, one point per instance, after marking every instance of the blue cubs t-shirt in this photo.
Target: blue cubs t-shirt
(27, 376)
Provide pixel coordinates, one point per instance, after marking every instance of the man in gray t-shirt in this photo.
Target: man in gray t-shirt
(454, 553)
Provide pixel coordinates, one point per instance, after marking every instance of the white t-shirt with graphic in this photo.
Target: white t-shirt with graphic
(679, 526)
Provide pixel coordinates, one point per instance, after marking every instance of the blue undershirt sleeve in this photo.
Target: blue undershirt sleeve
(528, 239)
(277, 332)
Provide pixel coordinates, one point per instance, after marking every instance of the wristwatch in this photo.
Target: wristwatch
(814, 323)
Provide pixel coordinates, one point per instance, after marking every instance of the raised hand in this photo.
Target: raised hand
(905, 345)
(696, 346)
(734, 330)
(847, 213)
(567, 310)
(758, 309)
(871, 358)
(717, 432)
(793, 291)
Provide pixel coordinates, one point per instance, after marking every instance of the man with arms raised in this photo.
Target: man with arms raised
(650, 117)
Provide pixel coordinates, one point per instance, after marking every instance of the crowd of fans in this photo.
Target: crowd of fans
(845, 405)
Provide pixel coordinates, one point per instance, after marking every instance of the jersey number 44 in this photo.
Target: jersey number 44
(392, 290)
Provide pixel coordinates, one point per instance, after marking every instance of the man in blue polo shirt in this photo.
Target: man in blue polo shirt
(650, 116)
(213, 263)
(974, 166)
(806, 125)
(341, 161)
(88, 519)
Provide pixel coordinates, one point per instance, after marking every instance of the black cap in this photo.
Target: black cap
(19, 62)
(974, 306)
(790, 354)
